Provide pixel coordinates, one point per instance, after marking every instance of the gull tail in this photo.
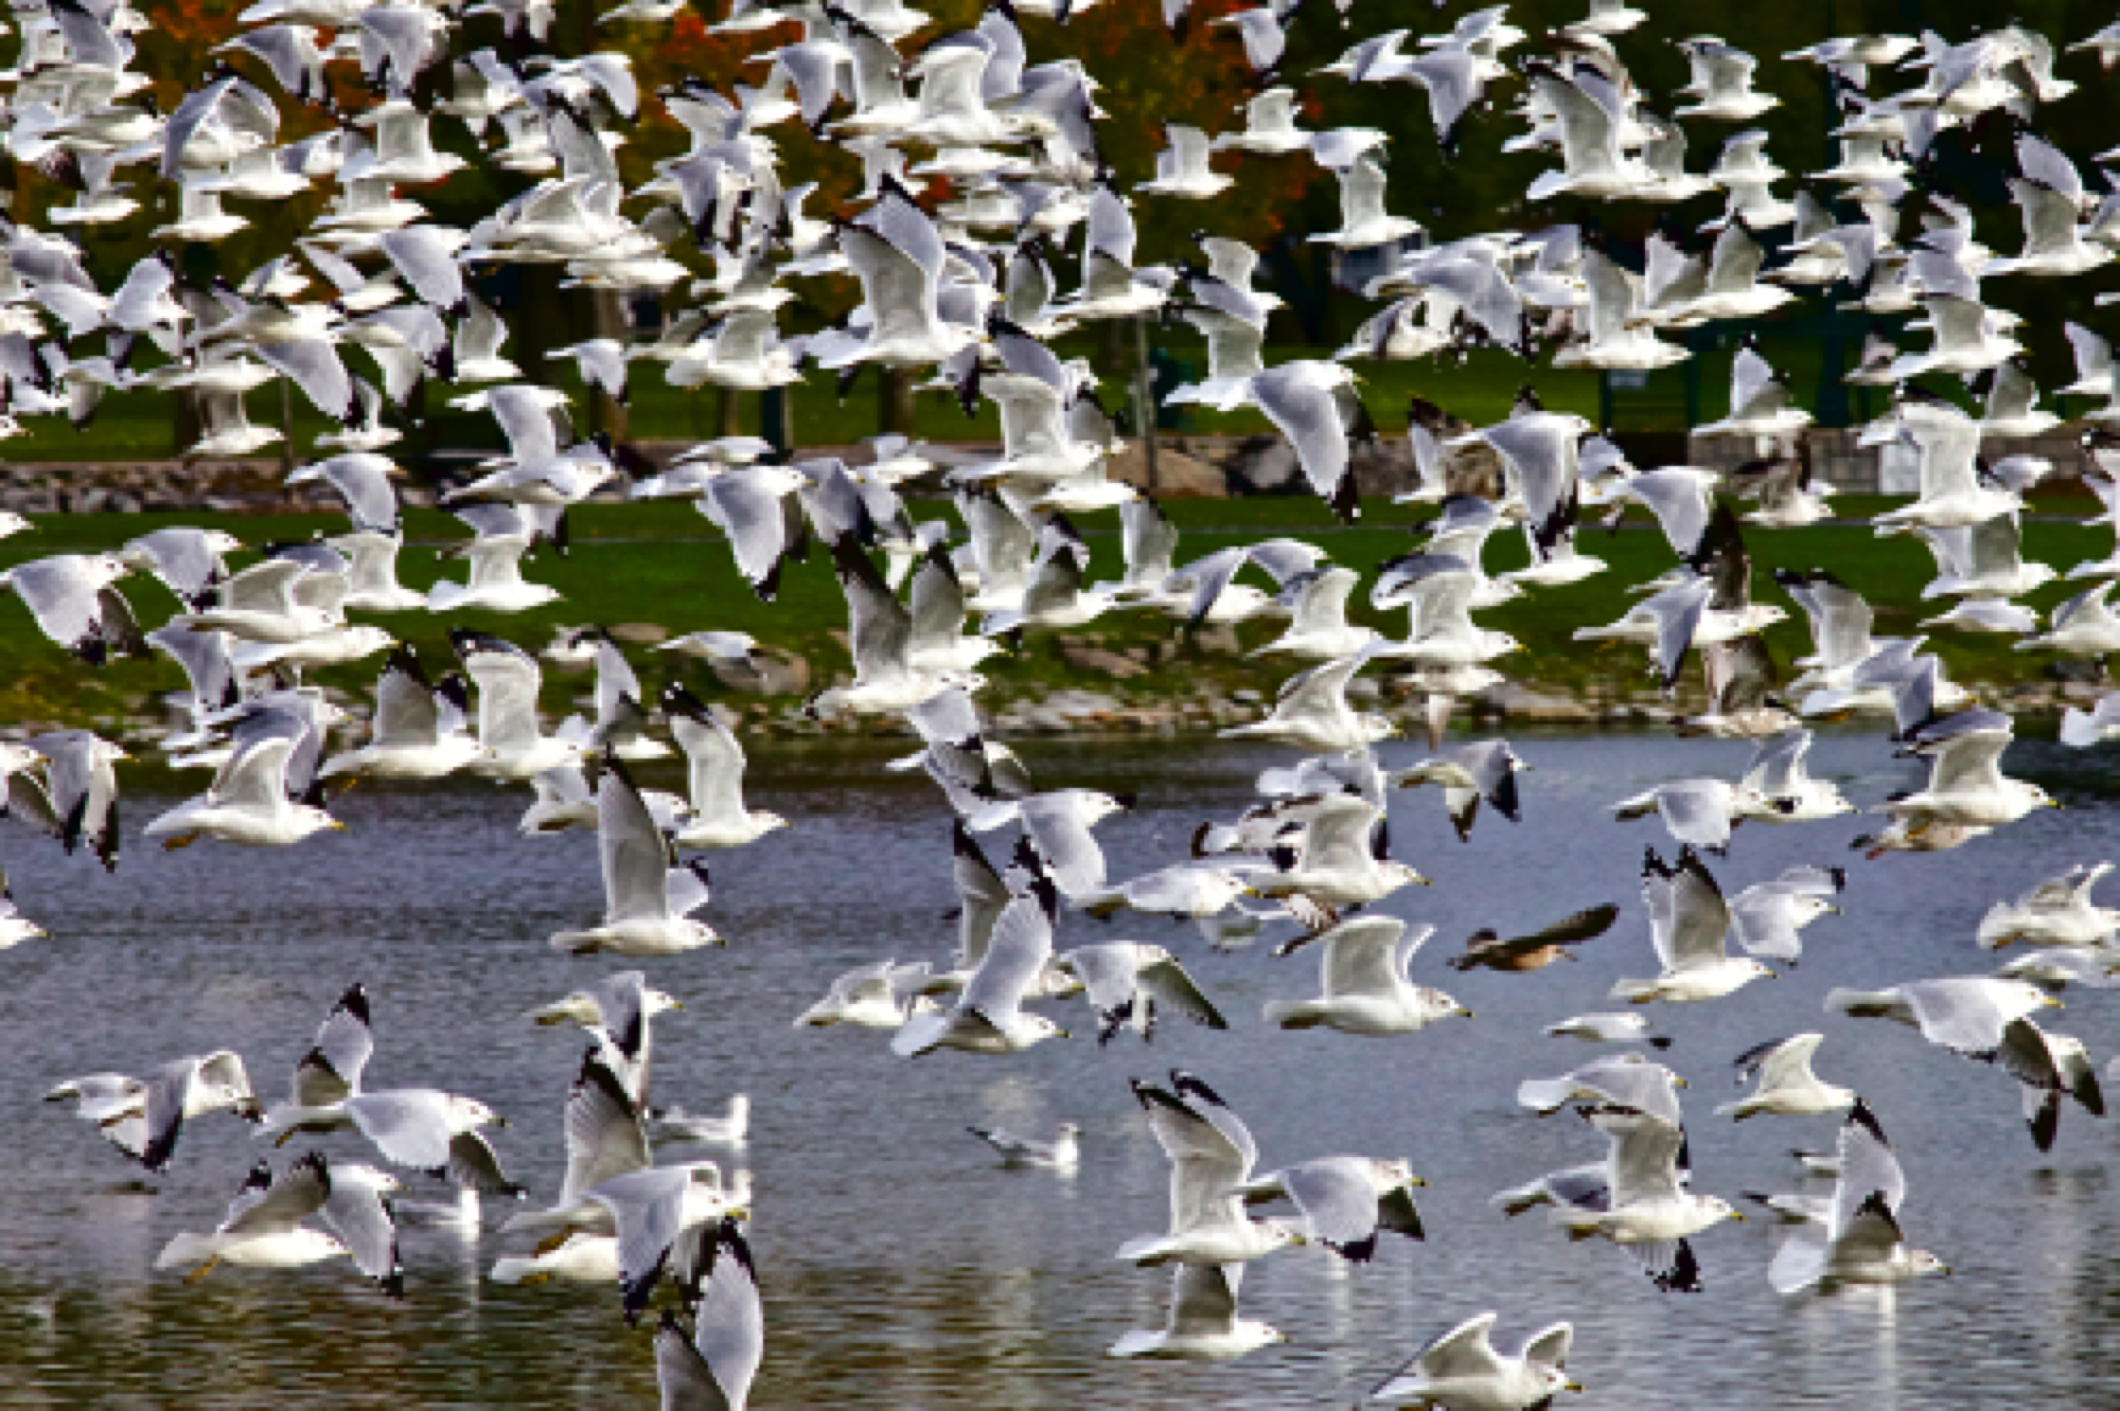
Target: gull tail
(189, 1249)
(1102, 903)
(1136, 1344)
(577, 942)
(1146, 1250)
(1285, 1015)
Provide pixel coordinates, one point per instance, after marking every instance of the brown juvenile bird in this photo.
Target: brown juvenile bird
(1535, 952)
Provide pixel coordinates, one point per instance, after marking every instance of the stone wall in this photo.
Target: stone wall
(1863, 470)
(1186, 466)
(129, 487)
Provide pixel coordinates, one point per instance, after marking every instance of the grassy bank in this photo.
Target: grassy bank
(663, 566)
(141, 425)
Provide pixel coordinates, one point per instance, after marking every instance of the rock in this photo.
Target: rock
(1263, 463)
(1521, 703)
(1098, 659)
(1178, 476)
(645, 634)
(772, 671)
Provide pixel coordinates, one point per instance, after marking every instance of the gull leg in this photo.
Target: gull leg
(203, 1270)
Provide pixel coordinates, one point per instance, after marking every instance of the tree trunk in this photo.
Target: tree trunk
(189, 425)
(603, 315)
(894, 401)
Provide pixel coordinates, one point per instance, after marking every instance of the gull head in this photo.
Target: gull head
(359, 1173)
(1096, 805)
(577, 1008)
(657, 1002)
(1037, 1028)
(1720, 1209)
(1401, 875)
(1442, 1005)
(1283, 1233)
(1398, 1171)
(1759, 970)
(1920, 1261)
(223, 542)
(310, 820)
(468, 1114)
(767, 822)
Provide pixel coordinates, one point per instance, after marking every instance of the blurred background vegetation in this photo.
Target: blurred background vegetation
(1147, 79)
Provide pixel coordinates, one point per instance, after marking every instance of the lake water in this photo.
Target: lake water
(900, 1266)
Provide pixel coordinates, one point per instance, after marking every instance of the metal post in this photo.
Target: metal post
(1145, 401)
(286, 427)
(774, 419)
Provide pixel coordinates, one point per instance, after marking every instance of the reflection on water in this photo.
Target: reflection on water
(901, 1267)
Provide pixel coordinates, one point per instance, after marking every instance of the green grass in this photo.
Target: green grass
(662, 564)
(141, 425)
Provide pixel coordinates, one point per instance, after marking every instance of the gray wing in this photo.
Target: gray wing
(880, 627)
(1110, 977)
(356, 1213)
(406, 712)
(167, 1091)
(507, 678)
(1207, 578)
(426, 256)
(409, 1126)
(331, 1071)
(636, 857)
(182, 559)
(1200, 1136)
(1644, 1157)
(1700, 919)
(1054, 822)
(313, 365)
(1307, 414)
(1203, 1299)
(604, 1135)
(731, 1330)
(937, 599)
(622, 1013)
(981, 896)
(1969, 1014)
(648, 1210)
(205, 660)
(1168, 983)
(1016, 955)
(61, 594)
(474, 1166)
(1338, 1198)
(276, 1208)
(1868, 1170)
(682, 1376)
(750, 514)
